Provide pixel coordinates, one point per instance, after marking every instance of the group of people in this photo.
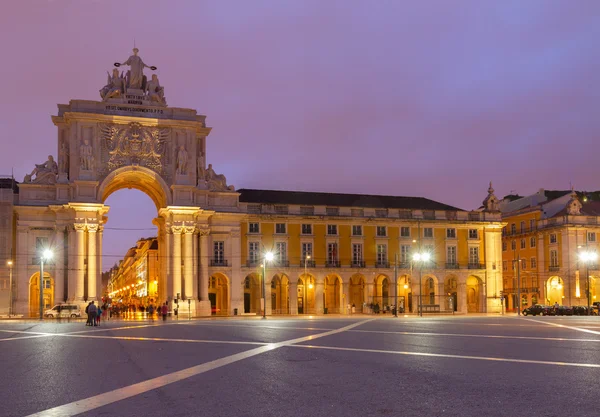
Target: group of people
(94, 313)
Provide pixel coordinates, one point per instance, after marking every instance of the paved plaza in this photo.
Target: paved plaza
(322, 366)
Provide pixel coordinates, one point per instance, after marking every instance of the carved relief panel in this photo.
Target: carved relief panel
(134, 144)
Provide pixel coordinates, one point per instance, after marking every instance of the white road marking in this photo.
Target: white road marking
(159, 339)
(560, 339)
(442, 355)
(91, 403)
(579, 329)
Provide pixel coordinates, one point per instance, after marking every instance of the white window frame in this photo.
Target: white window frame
(284, 227)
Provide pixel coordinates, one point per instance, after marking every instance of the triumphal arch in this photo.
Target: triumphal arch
(130, 138)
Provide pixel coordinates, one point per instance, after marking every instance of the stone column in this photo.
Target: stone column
(92, 261)
(20, 277)
(72, 264)
(188, 262)
(541, 268)
(204, 307)
(167, 286)
(80, 264)
(235, 285)
(268, 306)
(195, 267)
(293, 298)
(345, 297)
(59, 269)
(176, 260)
(462, 297)
(99, 262)
(319, 286)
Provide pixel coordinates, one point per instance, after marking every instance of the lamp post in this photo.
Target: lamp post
(420, 258)
(10, 286)
(46, 255)
(306, 258)
(588, 257)
(396, 285)
(268, 257)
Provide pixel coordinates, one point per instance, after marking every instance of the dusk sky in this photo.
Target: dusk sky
(421, 98)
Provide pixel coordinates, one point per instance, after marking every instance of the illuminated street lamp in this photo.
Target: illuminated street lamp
(45, 256)
(306, 283)
(9, 263)
(268, 258)
(588, 258)
(420, 258)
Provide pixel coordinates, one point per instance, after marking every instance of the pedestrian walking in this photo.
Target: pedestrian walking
(164, 311)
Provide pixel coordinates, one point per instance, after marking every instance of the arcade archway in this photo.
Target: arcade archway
(218, 294)
(34, 293)
(555, 290)
(333, 294)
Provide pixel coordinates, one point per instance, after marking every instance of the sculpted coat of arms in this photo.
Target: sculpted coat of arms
(134, 144)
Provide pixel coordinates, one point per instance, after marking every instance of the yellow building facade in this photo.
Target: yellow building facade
(544, 237)
(332, 258)
(134, 282)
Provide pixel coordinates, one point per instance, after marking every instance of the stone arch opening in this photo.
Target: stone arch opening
(139, 178)
(279, 294)
(428, 289)
(357, 292)
(218, 294)
(306, 294)
(451, 290)
(34, 293)
(333, 293)
(555, 290)
(252, 293)
(474, 294)
(149, 287)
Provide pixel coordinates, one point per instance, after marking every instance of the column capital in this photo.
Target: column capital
(188, 230)
(203, 230)
(92, 228)
(80, 227)
(176, 229)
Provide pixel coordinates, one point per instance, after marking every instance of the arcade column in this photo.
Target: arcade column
(92, 264)
(20, 277)
(204, 308)
(59, 268)
(188, 269)
(293, 298)
(80, 261)
(319, 286)
(176, 267)
(235, 285)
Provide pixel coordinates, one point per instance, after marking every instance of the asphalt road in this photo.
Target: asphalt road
(360, 366)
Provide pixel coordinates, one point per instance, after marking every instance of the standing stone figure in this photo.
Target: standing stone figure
(86, 156)
(182, 160)
(136, 73)
(63, 157)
